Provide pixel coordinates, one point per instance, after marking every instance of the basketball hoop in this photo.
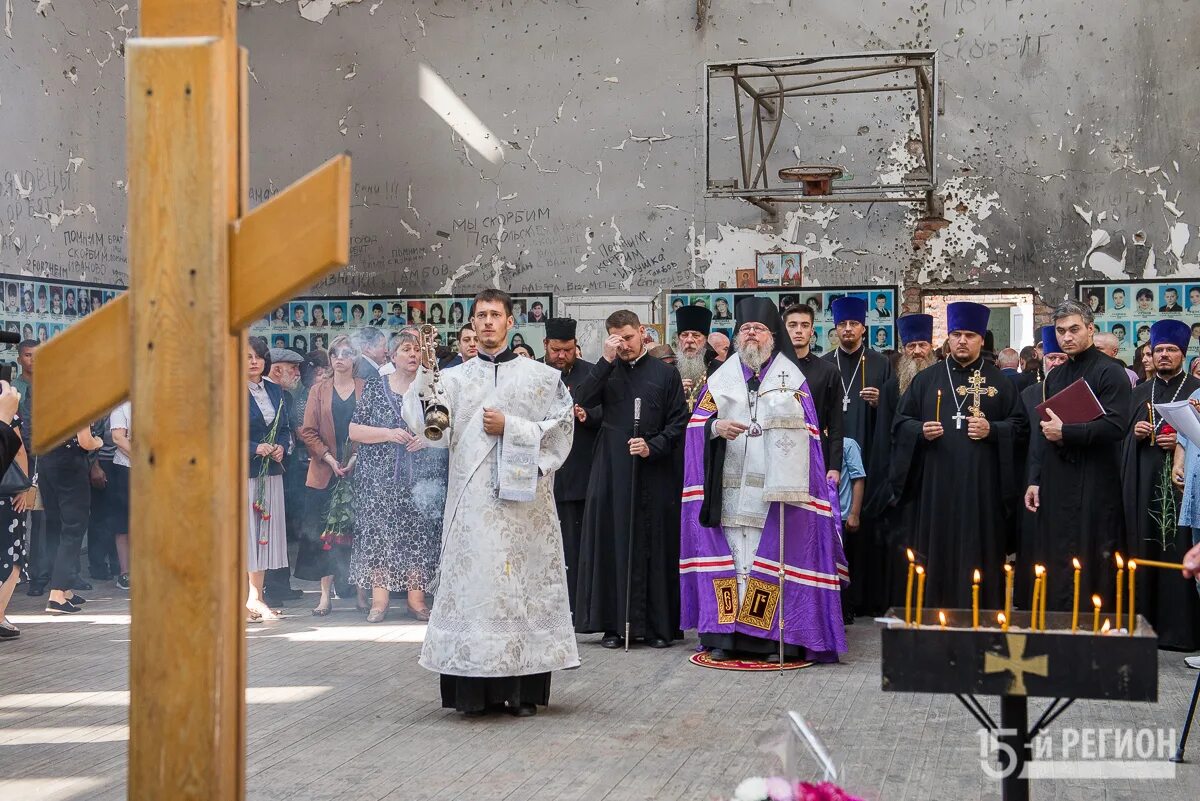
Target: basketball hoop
(817, 178)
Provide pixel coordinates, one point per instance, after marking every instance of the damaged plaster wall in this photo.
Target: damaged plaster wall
(559, 145)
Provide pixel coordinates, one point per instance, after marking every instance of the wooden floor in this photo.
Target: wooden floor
(339, 709)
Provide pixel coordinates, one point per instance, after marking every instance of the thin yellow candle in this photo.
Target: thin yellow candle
(1132, 596)
(912, 565)
(1002, 619)
(1096, 614)
(1008, 590)
(937, 417)
(1045, 594)
(862, 363)
(1035, 604)
(1105, 628)
(1120, 588)
(942, 619)
(1075, 603)
(1151, 563)
(920, 593)
(975, 601)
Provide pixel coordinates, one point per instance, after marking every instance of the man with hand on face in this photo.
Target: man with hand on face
(624, 373)
(691, 349)
(965, 418)
(862, 372)
(467, 347)
(1075, 468)
(1170, 605)
(822, 378)
(501, 621)
(571, 480)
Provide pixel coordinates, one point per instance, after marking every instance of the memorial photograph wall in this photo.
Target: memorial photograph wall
(39, 309)
(310, 323)
(880, 300)
(1128, 309)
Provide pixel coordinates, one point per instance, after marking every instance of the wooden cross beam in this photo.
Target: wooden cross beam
(203, 268)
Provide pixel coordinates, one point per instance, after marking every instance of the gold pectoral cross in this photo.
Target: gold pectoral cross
(978, 389)
(1017, 664)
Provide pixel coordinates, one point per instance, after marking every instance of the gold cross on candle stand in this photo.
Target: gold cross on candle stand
(1016, 663)
(977, 389)
(203, 268)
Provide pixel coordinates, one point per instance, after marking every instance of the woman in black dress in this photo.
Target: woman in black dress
(326, 434)
(13, 554)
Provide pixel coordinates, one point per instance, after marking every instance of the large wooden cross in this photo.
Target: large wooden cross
(203, 268)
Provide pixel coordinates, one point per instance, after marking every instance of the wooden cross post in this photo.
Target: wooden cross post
(203, 269)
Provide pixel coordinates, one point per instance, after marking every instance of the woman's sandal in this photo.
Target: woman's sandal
(421, 614)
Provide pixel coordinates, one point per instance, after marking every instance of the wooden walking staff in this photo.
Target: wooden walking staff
(203, 268)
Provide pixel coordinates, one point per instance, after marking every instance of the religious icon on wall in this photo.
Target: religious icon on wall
(769, 268)
(747, 278)
(792, 269)
(655, 334)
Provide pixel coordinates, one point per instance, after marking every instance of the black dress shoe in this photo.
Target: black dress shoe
(848, 618)
(63, 608)
(475, 713)
(9, 634)
(100, 575)
(719, 655)
(81, 585)
(612, 641)
(35, 590)
(522, 710)
(77, 599)
(659, 642)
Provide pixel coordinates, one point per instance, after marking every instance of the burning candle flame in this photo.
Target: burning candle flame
(1007, 568)
(977, 577)
(1075, 563)
(911, 556)
(1120, 562)
(920, 570)
(1038, 570)
(1104, 629)
(1096, 601)
(942, 619)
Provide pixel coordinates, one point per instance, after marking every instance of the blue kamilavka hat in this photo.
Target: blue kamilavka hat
(915, 328)
(848, 308)
(963, 315)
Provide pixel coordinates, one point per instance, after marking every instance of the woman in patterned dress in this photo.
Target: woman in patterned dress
(13, 515)
(399, 491)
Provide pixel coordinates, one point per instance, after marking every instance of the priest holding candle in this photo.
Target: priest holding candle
(862, 373)
(1151, 519)
(961, 462)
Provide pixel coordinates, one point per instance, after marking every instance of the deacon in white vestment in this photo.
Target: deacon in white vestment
(501, 620)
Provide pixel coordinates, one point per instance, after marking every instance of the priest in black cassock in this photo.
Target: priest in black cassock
(1032, 396)
(571, 480)
(1075, 468)
(861, 374)
(893, 521)
(1151, 503)
(692, 326)
(623, 374)
(961, 457)
(822, 378)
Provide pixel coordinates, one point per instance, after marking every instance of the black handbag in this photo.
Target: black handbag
(14, 482)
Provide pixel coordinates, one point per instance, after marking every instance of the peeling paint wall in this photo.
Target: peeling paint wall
(559, 145)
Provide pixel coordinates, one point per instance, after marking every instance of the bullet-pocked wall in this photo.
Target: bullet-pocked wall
(559, 146)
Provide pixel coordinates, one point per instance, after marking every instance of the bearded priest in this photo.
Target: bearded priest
(756, 495)
(961, 420)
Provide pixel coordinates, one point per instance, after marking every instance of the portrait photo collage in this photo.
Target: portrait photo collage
(1127, 309)
(311, 323)
(880, 300)
(40, 309)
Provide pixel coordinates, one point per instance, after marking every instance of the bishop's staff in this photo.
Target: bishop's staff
(637, 425)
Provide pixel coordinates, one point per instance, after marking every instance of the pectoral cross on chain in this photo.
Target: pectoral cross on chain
(978, 389)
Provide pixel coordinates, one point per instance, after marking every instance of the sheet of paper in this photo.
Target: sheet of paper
(1182, 418)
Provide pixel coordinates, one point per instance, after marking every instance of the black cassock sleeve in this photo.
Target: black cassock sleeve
(907, 439)
(590, 391)
(831, 405)
(675, 419)
(1006, 433)
(1111, 386)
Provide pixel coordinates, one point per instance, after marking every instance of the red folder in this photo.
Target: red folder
(1075, 404)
